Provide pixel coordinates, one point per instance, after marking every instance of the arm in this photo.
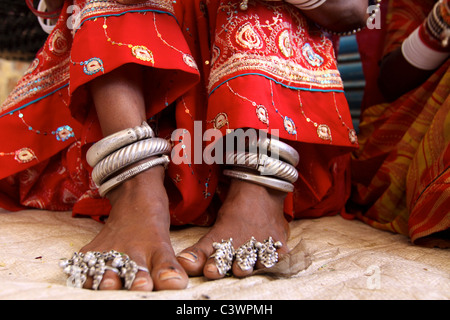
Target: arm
(53, 5)
(339, 15)
(413, 58)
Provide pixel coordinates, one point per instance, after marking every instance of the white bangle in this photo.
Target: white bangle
(114, 142)
(48, 28)
(264, 164)
(128, 155)
(114, 182)
(421, 56)
(267, 182)
(306, 4)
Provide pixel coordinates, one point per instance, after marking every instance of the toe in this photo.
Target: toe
(142, 282)
(210, 271)
(240, 272)
(110, 281)
(170, 278)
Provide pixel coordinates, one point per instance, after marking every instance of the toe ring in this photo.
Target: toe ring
(246, 255)
(267, 252)
(94, 264)
(223, 256)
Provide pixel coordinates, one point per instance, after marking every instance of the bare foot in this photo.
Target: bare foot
(138, 226)
(249, 210)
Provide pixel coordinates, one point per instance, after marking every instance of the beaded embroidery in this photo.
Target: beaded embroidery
(58, 43)
(24, 155)
(140, 52)
(282, 49)
(92, 66)
(94, 8)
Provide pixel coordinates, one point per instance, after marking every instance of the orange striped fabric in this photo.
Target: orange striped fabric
(401, 173)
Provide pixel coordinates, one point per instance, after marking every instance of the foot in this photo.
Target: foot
(138, 225)
(248, 211)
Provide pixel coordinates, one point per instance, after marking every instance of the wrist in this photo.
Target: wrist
(435, 31)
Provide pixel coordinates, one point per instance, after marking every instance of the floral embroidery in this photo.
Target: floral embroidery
(248, 38)
(285, 45)
(24, 155)
(311, 57)
(324, 132)
(142, 53)
(247, 43)
(63, 133)
(289, 125)
(58, 43)
(34, 64)
(220, 120)
(262, 114)
(100, 7)
(92, 66)
(352, 136)
(189, 60)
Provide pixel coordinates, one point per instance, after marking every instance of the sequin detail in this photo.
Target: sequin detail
(63, 133)
(58, 43)
(311, 57)
(220, 120)
(24, 155)
(289, 125)
(324, 132)
(142, 53)
(92, 66)
(262, 114)
(280, 49)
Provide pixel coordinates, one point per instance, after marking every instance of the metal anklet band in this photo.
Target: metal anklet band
(113, 142)
(115, 181)
(128, 155)
(267, 182)
(264, 164)
(279, 149)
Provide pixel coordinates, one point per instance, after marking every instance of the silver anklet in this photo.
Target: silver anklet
(264, 181)
(115, 181)
(113, 142)
(128, 155)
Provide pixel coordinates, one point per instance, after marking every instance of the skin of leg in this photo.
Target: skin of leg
(248, 210)
(139, 222)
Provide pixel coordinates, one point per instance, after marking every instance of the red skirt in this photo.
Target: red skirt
(206, 66)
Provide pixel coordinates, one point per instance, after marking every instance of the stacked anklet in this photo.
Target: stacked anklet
(276, 171)
(118, 151)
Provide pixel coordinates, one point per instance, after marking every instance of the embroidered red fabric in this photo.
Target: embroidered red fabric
(208, 65)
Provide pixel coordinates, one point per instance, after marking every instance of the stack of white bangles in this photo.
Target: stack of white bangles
(118, 151)
(420, 51)
(276, 171)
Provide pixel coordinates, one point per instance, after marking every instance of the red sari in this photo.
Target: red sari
(207, 65)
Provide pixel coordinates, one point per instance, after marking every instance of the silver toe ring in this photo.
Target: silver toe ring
(223, 256)
(246, 255)
(94, 264)
(267, 252)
